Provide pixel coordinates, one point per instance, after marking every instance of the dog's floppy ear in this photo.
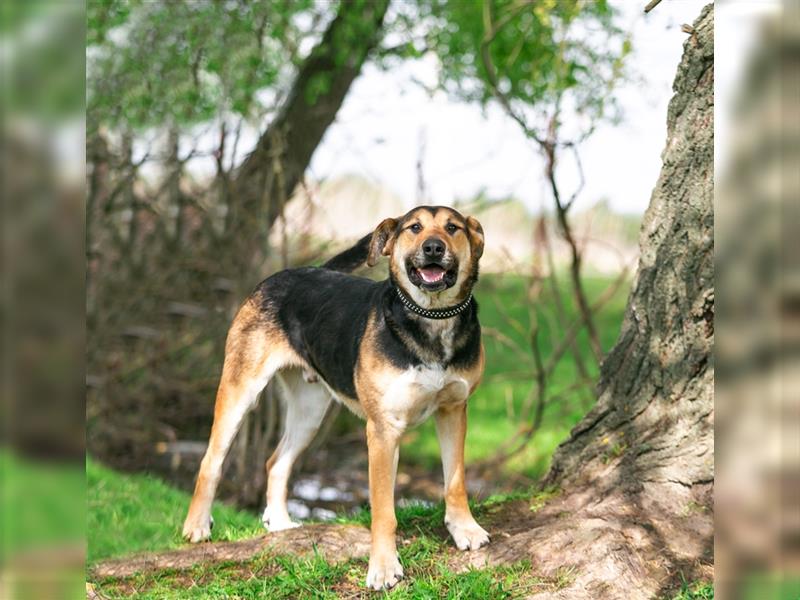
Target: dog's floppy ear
(382, 241)
(475, 236)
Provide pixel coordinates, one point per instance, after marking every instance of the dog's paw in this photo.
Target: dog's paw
(194, 532)
(276, 522)
(467, 535)
(384, 573)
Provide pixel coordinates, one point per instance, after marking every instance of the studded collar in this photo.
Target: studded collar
(433, 313)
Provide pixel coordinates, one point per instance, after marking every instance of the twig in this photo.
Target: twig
(575, 265)
(502, 338)
(548, 146)
(542, 372)
(582, 183)
(651, 5)
(560, 312)
(508, 318)
(491, 73)
(524, 436)
(607, 294)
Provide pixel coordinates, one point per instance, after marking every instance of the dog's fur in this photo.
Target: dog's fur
(328, 334)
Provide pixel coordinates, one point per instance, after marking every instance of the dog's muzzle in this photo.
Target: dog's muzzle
(432, 271)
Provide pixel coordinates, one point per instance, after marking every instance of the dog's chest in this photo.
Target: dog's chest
(419, 391)
(436, 342)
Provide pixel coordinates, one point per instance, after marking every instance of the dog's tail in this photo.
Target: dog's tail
(352, 258)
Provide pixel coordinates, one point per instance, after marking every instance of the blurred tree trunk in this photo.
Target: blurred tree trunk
(268, 176)
(635, 478)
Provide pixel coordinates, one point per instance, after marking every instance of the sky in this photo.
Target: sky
(379, 129)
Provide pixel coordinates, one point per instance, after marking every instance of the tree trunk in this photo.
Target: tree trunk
(634, 481)
(269, 175)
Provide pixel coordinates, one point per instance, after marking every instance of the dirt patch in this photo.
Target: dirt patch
(334, 542)
(601, 544)
(583, 543)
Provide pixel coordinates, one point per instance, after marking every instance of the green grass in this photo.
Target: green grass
(769, 585)
(129, 513)
(42, 523)
(699, 590)
(314, 577)
(42, 503)
(494, 410)
(132, 513)
(268, 576)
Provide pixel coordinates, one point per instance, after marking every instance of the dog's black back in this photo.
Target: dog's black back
(324, 314)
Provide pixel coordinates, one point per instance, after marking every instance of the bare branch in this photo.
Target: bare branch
(573, 330)
(582, 183)
(490, 32)
(502, 338)
(651, 5)
(575, 264)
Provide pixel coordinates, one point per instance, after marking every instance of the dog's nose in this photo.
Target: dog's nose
(433, 248)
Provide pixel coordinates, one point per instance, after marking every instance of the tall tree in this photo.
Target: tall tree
(284, 151)
(173, 66)
(635, 478)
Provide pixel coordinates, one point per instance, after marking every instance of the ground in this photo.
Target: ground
(135, 513)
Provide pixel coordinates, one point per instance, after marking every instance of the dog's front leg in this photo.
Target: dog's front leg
(451, 427)
(384, 565)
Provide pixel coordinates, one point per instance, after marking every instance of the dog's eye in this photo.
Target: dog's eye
(450, 228)
(416, 228)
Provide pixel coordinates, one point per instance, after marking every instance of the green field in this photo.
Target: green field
(42, 524)
(132, 513)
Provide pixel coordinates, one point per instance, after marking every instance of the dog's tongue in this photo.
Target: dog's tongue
(431, 274)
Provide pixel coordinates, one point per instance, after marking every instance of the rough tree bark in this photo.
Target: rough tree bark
(269, 175)
(635, 478)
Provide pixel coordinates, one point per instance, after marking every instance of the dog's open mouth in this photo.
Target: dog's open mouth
(432, 277)
(431, 273)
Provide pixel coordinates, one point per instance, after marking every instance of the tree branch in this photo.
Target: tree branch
(651, 5)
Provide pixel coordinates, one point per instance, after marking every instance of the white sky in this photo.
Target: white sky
(377, 132)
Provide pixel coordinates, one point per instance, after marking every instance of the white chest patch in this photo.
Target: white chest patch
(419, 391)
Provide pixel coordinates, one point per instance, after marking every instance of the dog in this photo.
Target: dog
(394, 352)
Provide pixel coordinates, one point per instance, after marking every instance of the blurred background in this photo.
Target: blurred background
(225, 141)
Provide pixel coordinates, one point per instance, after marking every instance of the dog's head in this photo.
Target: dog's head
(434, 253)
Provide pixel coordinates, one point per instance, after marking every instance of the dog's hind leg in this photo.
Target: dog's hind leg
(306, 404)
(253, 353)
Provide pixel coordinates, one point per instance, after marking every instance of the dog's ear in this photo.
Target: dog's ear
(475, 236)
(382, 241)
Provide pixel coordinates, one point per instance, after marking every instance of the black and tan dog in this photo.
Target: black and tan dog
(394, 352)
